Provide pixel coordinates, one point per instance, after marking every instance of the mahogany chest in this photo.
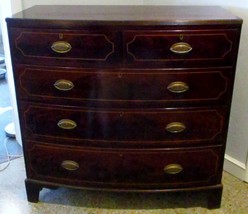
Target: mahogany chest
(124, 98)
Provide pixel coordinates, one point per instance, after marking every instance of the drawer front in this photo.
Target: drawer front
(126, 87)
(181, 48)
(63, 47)
(120, 127)
(125, 168)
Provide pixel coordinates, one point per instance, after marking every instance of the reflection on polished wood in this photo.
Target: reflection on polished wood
(124, 98)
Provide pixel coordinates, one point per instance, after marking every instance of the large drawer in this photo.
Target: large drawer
(125, 127)
(125, 87)
(63, 47)
(181, 48)
(137, 169)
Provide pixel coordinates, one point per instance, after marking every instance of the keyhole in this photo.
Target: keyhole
(120, 75)
(61, 36)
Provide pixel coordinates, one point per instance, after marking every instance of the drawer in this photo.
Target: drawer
(181, 48)
(63, 47)
(137, 169)
(125, 128)
(125, 87)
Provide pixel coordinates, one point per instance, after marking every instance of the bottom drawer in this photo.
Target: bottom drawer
(134, 169)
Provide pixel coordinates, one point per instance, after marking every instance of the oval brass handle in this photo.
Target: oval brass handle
(70, 165)
(61, 47)
(181, 48)
(175, 127)
(173, 169)
(178, 87)
(64, 85)
(67, 124)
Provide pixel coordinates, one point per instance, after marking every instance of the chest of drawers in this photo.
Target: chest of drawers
(129, 99)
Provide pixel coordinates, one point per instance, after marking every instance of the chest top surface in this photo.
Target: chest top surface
(128, 15)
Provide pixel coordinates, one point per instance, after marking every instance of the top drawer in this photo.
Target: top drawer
(181, 48)
(61, 46)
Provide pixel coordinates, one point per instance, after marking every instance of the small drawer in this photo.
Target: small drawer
(63, 47)
(153, 88)
(137, 169)
(122, 128)
(181, 48)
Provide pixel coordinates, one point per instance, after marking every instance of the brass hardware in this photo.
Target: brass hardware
(181, 48)
(173, 169)
(64, 85)
(61, 47)
(67, 124)
(178, 87)
(70, 165)
(175, 127)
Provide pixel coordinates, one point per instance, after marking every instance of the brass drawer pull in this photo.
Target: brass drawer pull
(67, 124)
(178, 87)
(175, 127)
(61, 47)
(181, 48)
(70, 165)
(64, 85)
(173, 169)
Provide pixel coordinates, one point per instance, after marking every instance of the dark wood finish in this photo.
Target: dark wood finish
(139, 169)
(143, 127)
(89, 46)
(33, 190)
(120, 87)
(153, 47)
(214, 198)
(120, 109)
(119, 15)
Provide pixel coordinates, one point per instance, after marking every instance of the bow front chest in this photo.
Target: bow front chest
(124, 98)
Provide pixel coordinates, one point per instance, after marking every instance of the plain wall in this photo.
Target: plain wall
(7, 8)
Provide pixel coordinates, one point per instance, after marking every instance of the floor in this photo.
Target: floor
(9, 148)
